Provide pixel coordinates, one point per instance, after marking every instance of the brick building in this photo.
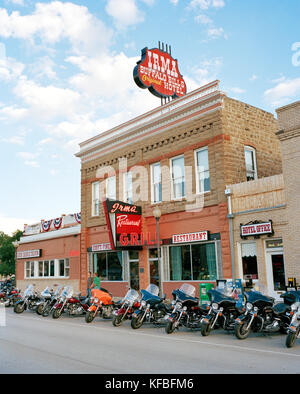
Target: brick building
(191, 148)
(289, 136)
(49, 253)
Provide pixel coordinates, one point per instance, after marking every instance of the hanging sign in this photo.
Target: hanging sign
(122, 219)
(158, 72)
(27, 254)
(256, 229)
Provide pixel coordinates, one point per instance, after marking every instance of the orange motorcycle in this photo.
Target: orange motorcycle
(101, 303)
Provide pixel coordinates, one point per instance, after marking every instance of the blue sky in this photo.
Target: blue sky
(66, 75)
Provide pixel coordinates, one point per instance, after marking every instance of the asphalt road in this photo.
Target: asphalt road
(33, 344)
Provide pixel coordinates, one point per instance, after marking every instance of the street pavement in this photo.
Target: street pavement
(34, 344)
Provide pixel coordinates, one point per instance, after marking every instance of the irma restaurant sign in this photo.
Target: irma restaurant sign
(158, 72)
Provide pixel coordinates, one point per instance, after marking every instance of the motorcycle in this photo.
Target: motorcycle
(294, 327)
(187, 310)
(102, 303)
(29, 300)
(49, 303)
(9, 295)
(129, 304)
(262, 315)
(152, 308)
(70, 304)
(45, 297)
(223, 310)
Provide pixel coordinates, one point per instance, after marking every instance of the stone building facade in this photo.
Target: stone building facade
(220, 141)
(289, 136)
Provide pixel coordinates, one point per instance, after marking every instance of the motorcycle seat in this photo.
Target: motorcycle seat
(280, 308)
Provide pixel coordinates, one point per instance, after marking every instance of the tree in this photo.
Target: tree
(7, 252)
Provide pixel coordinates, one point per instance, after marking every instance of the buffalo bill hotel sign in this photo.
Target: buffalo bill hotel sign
(158, 72)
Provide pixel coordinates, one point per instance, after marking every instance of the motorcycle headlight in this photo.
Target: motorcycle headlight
(215, 306)
(143, 303)
(96, 300)
(249, 306)
(178, 305)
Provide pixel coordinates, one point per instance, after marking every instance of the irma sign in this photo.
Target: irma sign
(158, 72)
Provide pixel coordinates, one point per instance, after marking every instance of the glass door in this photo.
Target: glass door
(133, 260)
(275, 273)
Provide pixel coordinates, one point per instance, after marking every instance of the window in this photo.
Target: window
(177, 177)
(128, 196)
(111, 191)
(249, 261)
(156, 187)
(64, 267)
(95, 199)
(250, 160)
(193, 262)
(202, 171)
(153, 266)
(46, 268)
(109, 266)
(29, 269)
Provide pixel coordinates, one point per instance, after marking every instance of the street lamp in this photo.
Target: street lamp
(157, 215)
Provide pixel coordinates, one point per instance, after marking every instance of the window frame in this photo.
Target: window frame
(107, 181)
(172, 180)
(253, 151)
(153, 201)
(198, 191)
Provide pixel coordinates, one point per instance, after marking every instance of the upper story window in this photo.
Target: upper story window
(177, 177)
(156, 186)
(128, 194)
(111, 191)
(95, 198)
(250, 160)
(202, 171)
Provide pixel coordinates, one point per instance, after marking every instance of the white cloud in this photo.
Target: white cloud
(216, 32)
(16, 140)
(13, 113)
(287, 90)
(237, 90)
(10, 224)
(10, 69)
(175, 2)
(206, 4)
(52, 22)
(124, 12)
(203, 19)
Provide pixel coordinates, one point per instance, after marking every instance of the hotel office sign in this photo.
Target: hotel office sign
(158, 72)
(256, 229)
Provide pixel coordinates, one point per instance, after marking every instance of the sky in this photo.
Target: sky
(66, 74)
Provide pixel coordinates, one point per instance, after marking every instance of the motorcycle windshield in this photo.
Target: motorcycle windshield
(256, 296)
(58, 291)
(131, 295)
(46, 292)
(187, 289)
(220, 294)
(67, 292)
(28, 291)
(153, 289)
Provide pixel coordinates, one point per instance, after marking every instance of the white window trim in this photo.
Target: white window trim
(125, 184)
(250, 148)
(56, 269)
(115, 187)
(197, 173)
(171, 178)
(94, 211)
(152, 182)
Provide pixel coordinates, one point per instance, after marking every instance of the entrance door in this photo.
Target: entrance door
(276, 273)
(133, 257)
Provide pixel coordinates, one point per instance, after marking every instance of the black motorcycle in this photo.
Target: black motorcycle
(152, 309)
(186, 309)
(263, 315)
(223, 310)
(29, 300)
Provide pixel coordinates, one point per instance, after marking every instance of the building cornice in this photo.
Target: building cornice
(193, 105)
(287, 134)
(64, 232)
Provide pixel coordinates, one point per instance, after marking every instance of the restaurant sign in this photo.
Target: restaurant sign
(28, 254)
(158, 72)
(124, 221)
(190, 237)
(256, 229)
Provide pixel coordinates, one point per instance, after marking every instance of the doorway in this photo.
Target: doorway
(133, 262)
(275, 272)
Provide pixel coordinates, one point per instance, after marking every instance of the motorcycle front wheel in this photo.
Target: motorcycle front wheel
(170, 327)
(89, 316)
(241, 331)
(205, 329)
(19, 308)
(117, 320)
(40, 309)
(291, 339)
(56, 313)
(137, 322)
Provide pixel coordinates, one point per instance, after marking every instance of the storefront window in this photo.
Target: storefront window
(109, 265)
(193, 262)
(133, 258)
(249, 261)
